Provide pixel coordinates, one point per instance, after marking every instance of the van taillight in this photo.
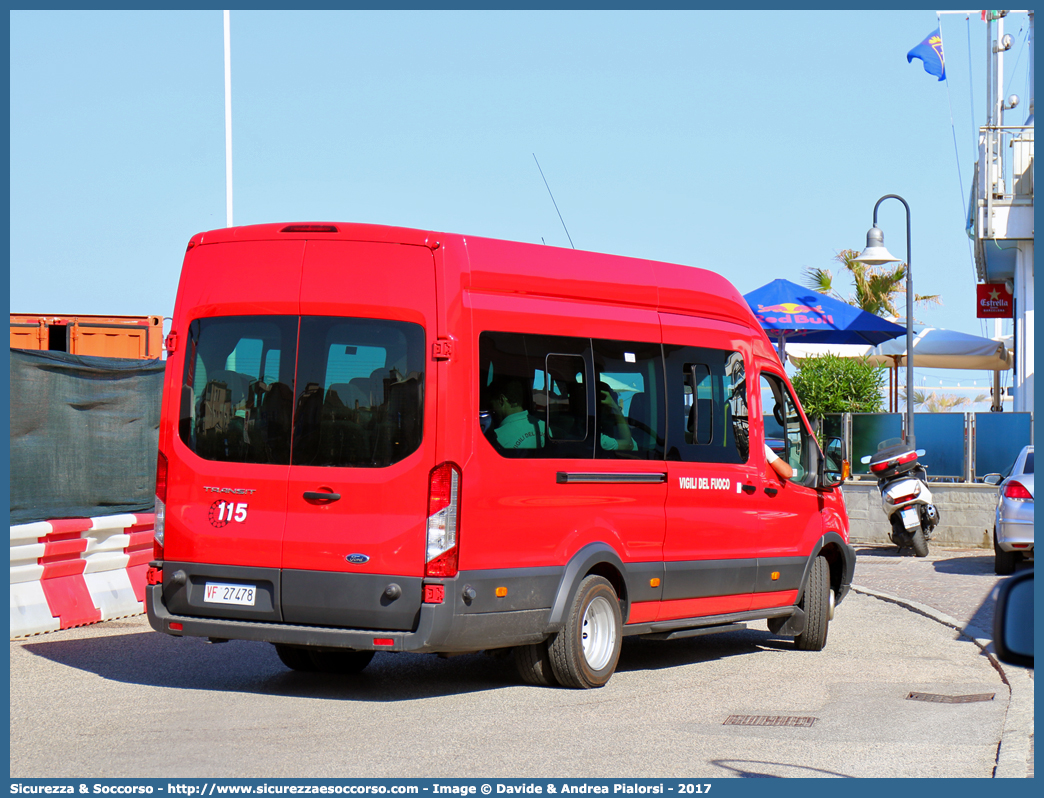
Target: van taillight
(161, 477)
(443, 517)
(161, 506)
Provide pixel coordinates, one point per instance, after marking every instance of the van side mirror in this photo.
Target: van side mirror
(832, 471)
(1013, 621)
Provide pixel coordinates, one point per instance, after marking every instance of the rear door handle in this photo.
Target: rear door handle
(771, 491)
(320, 496)
(748, 488)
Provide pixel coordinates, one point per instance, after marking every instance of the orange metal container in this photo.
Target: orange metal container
(137, 337)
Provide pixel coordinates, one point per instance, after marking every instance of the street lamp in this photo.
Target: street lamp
(875, 254)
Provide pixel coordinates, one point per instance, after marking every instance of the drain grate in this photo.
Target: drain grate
(769, 720)
(950, 699)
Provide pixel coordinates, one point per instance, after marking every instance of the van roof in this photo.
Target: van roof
(509, 267)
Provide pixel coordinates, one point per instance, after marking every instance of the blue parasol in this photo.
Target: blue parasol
(788, 311)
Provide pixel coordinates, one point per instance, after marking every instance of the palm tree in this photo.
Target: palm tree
(876, 287)
(932, 402)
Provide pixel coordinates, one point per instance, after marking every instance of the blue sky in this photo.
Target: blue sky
(754, 144)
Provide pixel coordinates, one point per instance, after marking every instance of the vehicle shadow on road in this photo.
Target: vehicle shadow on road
(638, 654)
(239, 666)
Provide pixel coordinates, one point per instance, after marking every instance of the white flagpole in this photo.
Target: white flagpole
(228, 121)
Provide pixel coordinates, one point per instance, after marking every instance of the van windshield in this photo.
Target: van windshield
(317, 391)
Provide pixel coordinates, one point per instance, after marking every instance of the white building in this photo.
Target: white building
(1001, 214)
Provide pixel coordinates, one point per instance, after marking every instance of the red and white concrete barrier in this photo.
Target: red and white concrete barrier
(75, 571)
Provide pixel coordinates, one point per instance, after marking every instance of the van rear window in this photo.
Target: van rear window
(320, 391)
(360, 392)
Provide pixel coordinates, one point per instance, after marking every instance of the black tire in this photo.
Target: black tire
(294, 657)
(584, 654)
(919, 543)
(816, 604)
(534, 665)
(340, 661)
(900, 537)
(1003, 561)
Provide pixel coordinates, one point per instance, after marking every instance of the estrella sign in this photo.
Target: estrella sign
(993, 301)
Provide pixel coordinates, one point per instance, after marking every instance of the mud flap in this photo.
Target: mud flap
(791, 626)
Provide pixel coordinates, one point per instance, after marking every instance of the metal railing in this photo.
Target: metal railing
(959, 447)
(1000, 178)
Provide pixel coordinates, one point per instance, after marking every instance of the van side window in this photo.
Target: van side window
(360, 392)
(706, 393)
(533, 394)
(236, 399)
(785, 432)
(630, 406)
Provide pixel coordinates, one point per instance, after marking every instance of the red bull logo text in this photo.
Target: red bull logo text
(793, 313)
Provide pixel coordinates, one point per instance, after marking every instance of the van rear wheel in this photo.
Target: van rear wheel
(294, 657)
(533, 664)
(340, 660)
(584, 654)
(816, 604)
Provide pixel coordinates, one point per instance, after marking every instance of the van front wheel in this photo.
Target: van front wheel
(816, 604)
(584, 654)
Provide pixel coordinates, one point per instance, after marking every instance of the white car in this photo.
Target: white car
(1013, 527)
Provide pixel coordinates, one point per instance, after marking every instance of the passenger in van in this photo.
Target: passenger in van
(616, 434)
(513, 426)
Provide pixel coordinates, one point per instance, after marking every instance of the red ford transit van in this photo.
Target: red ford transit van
(382, 439)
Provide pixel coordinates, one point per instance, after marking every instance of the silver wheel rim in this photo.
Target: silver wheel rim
(598, 633)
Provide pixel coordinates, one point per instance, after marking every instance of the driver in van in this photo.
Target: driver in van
(779, 465)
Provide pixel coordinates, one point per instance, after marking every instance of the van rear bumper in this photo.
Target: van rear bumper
(439, 629)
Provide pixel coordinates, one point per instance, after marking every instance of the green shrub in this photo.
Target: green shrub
(832, 384)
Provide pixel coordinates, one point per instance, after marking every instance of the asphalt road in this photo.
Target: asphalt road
(957, 581)
(117, 699)
(956, 587)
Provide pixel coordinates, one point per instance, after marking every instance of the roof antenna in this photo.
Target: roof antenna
(555, 203)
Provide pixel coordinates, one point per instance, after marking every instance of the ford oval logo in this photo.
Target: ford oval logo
(357, 559)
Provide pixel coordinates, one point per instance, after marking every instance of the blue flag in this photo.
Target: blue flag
(930, 51)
